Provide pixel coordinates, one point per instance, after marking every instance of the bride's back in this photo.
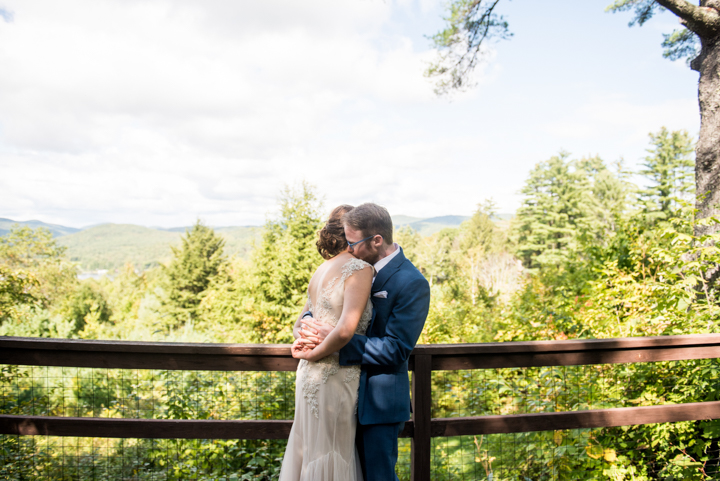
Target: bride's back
(326, 290)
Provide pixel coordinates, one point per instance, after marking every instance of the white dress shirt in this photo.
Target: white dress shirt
(385, 260)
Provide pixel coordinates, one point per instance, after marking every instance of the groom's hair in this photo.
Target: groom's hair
(370, 219)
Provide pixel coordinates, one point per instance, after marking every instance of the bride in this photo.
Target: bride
(322, 440)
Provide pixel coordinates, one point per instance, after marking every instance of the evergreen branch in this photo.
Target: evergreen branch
(682, 43)
(471, 24)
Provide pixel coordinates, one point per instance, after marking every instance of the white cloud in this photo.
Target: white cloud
(157, 111)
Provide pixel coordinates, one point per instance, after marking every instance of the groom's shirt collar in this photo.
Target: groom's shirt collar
(385, 260)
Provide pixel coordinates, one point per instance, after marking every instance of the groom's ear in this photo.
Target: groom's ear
(377, 241)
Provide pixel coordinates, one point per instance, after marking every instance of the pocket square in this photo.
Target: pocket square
(381, 294)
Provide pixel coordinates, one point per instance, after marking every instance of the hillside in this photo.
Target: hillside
(57, 230)
(110, 246)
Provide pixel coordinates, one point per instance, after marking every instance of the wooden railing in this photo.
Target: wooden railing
(424, 360)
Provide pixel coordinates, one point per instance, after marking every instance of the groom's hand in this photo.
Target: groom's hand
(316, 331)
(308, 335)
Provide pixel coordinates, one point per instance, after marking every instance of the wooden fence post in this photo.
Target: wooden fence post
(422, 401)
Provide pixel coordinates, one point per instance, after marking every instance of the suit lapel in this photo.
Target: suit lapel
(388, 271)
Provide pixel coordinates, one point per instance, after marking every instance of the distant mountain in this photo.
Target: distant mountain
(400, 220)
(429, 226)
(57, 230)
(110, 246)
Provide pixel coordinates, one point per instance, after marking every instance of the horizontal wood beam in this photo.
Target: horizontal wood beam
(151, 428)
(572, 358)
(85, 345)
(145, 360)
(276, 357)
(569, 345)
(280, 429)
(144, 428)
(597, 418)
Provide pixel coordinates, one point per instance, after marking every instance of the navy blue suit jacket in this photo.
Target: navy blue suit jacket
(398, 320)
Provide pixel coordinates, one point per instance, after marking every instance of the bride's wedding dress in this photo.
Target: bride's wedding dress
(321, 446)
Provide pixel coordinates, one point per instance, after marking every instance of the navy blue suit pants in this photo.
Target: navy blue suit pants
(377, 445)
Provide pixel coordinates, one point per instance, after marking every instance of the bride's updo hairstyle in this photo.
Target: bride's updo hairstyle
(331, 238)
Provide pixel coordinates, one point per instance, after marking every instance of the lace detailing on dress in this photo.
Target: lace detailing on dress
(312, 375)
(327, 309)
(351, 266)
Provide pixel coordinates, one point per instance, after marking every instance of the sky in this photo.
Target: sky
(160, 112)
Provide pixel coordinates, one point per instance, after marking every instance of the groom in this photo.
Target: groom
(401, 299)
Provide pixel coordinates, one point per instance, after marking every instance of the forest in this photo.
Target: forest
(594, 251)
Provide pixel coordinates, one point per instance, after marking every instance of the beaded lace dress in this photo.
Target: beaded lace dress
(321, 446)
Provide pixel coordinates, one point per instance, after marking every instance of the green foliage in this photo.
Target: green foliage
(27, 253)
(86, 307)
(470, 277)
(125, 292)
(16, 289)
(228, 308)
(198, 259)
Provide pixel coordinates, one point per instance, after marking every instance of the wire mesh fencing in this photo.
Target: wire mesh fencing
(579, 454)
(668, 451)
(672, 451)
(146, 394)
(71, 458)
(481, 392)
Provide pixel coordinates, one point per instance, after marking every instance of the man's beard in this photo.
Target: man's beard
(369, 257)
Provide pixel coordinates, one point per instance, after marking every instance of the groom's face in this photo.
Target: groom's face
(366, 250)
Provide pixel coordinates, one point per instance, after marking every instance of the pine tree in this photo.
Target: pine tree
(285, 262)
(556, 205)
(569, 205)
(611, 193)
(197, 260)
(671, 170)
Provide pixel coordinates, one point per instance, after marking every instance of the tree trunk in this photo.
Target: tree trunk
(707, 152)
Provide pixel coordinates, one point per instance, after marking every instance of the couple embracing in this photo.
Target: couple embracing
(365, 311)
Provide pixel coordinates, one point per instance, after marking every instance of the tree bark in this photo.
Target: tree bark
(704, 20)
(707, 152)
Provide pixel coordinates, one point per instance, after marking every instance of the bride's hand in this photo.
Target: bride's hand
(298, 349)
